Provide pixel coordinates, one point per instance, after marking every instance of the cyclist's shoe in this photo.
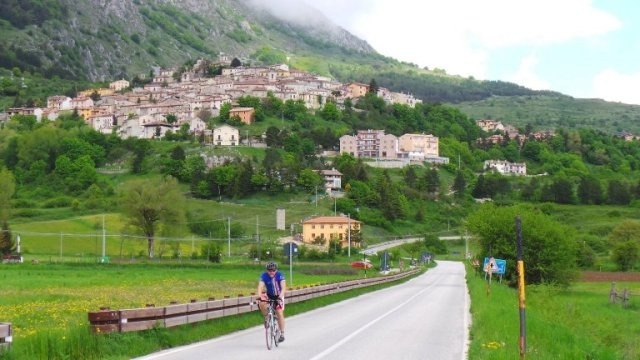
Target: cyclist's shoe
(265, 322)
(281, 338)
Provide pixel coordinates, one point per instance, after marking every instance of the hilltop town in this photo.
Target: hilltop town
(172, 99)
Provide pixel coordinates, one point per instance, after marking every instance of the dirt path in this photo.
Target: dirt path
(594, 276)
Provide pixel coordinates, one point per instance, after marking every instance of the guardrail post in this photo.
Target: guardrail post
(6, 335)
(613, 293)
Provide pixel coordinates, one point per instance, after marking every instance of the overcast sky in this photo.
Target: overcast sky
(581, 48)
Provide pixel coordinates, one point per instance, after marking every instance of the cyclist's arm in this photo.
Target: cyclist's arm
(261, 287)
(283, 288)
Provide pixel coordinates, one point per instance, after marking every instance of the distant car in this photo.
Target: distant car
(361, 264)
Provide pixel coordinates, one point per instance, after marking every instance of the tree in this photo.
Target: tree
(373, 86)
(625, 240)
(171, 118)
(391, 202)
(550, 248)
(560, 191)
(330, 112)
(309, 180)
(225, 109)
(6, 241)
(432, 181)
(410, 176)
(236, 63)
(273, 137)
(618, 192)
(590, 191)
(95, 96)
(459, 185)
(7, 189)
(480, 189)
(152, 205)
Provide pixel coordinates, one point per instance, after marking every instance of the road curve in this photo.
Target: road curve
(424, 318)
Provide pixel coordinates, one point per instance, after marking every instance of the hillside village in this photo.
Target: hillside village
(175, 99)
(142, 112)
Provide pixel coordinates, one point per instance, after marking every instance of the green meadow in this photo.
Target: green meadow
(574, 323)
(47, 304)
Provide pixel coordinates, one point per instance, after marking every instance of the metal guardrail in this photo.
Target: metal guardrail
(125, 320)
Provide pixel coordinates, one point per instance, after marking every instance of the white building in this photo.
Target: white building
(506, 168)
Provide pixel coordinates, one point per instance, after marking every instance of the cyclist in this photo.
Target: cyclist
(272, 286)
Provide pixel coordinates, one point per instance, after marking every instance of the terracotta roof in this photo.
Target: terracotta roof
(331, 220)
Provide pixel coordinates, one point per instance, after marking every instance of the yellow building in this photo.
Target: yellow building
(319, 230)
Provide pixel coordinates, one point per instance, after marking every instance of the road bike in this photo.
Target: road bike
(271, 329)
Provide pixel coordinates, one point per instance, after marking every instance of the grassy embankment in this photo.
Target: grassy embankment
(574, 323)
(48, 303)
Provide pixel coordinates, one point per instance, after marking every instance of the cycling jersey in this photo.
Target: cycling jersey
(272, 284)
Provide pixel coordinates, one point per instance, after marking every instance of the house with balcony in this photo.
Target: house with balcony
(370, 144)
(223, 135)
(332, 179)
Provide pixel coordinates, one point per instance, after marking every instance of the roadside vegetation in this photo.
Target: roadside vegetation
(139, 214)
(577, 322)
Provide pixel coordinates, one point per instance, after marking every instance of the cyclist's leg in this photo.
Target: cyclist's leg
(263, 304)
(280, 316)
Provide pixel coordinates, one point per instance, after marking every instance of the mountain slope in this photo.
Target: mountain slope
(102, 40)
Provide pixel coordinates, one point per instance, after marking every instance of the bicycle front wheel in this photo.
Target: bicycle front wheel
(269, 329)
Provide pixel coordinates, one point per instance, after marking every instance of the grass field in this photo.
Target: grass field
(48, 305)
(47, 302)
(574, 323)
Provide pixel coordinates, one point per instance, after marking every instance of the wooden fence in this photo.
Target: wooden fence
(109, 321)
(614, 295)
(6, 336)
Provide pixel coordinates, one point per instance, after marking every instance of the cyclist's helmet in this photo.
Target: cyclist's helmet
(271, 266)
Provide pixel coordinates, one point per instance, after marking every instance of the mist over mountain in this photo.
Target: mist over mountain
(104, 40)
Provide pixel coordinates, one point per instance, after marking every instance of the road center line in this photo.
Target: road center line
(366, 326)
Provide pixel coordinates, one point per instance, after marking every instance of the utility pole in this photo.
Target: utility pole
(521, 288)
(349, 235)
(104, 240)
(229, 234)
(258, 236)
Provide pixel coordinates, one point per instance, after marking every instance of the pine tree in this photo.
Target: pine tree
(6, 243)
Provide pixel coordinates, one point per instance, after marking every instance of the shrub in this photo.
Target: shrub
(57, 202)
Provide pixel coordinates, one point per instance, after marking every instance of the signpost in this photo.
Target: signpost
(520, 266)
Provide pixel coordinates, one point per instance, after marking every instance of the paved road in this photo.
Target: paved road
(424, 318)
(373, 249)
